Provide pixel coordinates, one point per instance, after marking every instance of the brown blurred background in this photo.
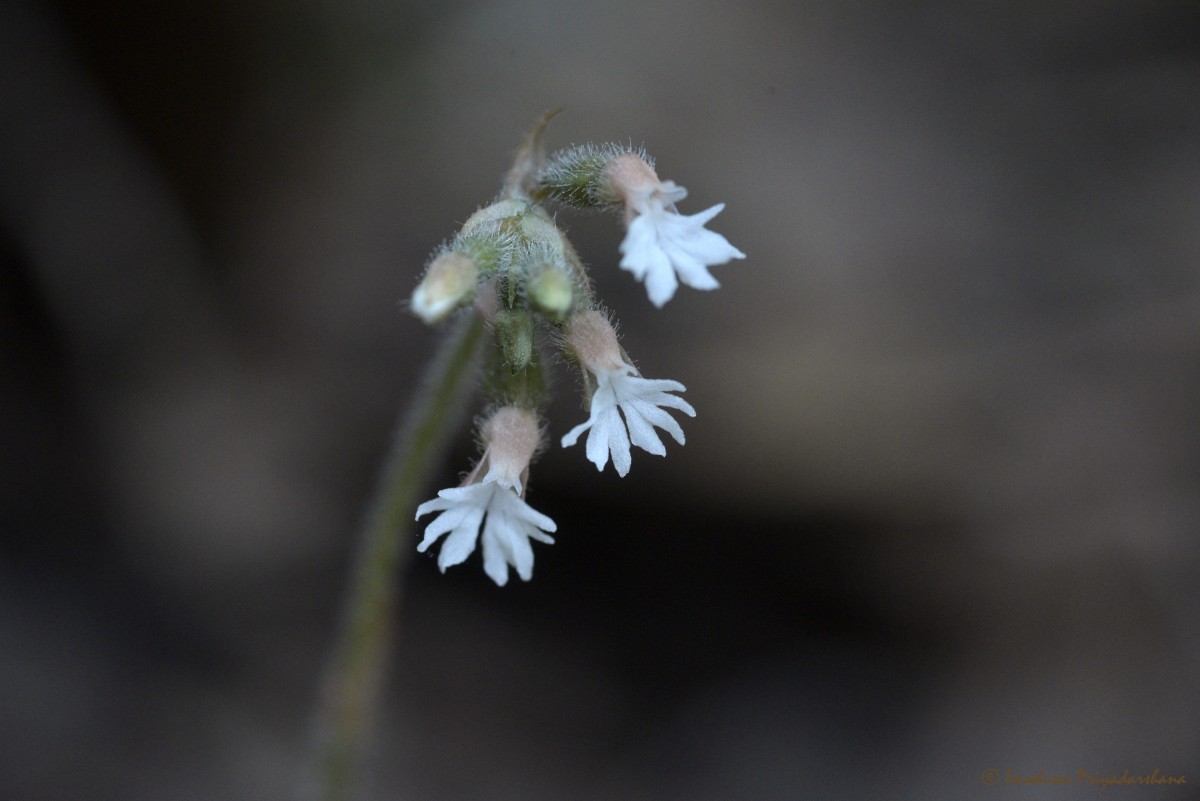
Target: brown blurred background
(938, 512)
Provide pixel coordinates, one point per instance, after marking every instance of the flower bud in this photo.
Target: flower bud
(448, 283)
(539, 231)
(514, 330)
(550, 290)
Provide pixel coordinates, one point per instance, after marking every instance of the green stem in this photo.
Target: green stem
(355, 672)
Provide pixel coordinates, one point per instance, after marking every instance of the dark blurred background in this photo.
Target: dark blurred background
(938, 512)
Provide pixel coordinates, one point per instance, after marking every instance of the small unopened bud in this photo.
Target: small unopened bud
(550, 290)
(514, 329)
(448, 283)
(594, 341)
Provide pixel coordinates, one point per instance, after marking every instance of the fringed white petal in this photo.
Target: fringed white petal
(641, 401)
(663, 248)
(508, 525)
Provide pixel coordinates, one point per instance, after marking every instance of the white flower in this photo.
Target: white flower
(619, 387)
(508, 525)
(662, 247)
(508, 522)
(642, 401)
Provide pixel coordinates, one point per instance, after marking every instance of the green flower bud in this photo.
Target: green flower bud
(514, 330)
(550, 290)
(448, 283)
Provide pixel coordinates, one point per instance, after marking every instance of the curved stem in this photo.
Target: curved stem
(354, 675)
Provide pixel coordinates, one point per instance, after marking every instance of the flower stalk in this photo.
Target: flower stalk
(353, 678)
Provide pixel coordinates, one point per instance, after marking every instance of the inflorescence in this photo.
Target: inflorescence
(513, 266)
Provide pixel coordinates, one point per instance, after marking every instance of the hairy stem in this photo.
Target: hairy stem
(354, 674)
